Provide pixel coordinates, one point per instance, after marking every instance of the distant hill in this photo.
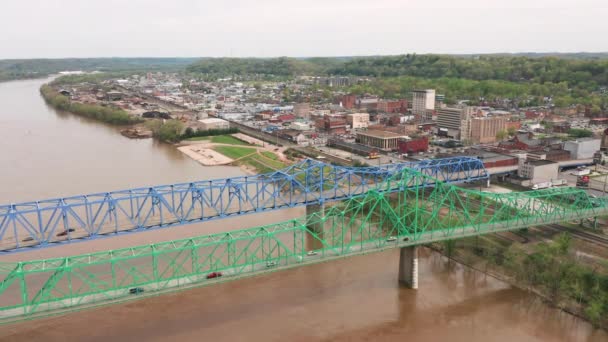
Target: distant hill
(565, 55)
(574, 68)
(587, 69)
(31, 68)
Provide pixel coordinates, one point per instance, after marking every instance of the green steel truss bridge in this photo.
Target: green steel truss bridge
(374, 221)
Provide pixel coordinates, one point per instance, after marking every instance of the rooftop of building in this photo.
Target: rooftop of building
(212, 120)
(353, 146)
(540, 162)
(488, 156)
(380, 134)
(579, 140)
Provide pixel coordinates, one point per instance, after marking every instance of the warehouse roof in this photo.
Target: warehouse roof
(381, 134)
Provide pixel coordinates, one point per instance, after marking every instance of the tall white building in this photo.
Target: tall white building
(423, 103)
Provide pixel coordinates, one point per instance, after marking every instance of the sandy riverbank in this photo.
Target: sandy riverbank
(204, 155)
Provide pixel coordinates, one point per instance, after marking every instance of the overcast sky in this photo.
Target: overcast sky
(130, 28)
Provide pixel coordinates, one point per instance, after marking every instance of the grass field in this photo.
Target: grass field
(263, 162)
(220, 139)
(270, 155)
(227, 139)
(234, 152)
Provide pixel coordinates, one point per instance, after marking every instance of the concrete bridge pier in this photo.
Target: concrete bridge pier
(408, 267)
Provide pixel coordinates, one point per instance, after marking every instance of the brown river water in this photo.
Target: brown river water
(47, 154)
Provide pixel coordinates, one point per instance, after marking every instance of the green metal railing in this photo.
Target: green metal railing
(371, 222)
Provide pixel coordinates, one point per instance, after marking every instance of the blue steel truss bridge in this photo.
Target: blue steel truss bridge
(50, 222)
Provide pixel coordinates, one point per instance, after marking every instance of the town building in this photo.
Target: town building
(454, 122)
(411, 146)
(115, 95)
(320, 112)
(423, 103)
(302, 110)
(380, 139)
(538, 171)
(213, 123)
(583, 148)
(235, 116)
(293, 136)
(300, 125)
(359, 149)
(348, 101)
(368, 103)
(493, 158)
(336, 81)
(387, 106)
(484, 130)
(331, 124)
(358, 120)
(604, 143)
(552, 155)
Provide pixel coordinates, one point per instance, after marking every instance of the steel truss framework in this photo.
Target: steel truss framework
(374, 221)
(77, 218)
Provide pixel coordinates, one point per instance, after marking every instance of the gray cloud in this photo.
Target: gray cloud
(92, 28)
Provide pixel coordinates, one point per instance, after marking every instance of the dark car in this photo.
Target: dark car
(214, 275)
(65, 232)
(136, 290)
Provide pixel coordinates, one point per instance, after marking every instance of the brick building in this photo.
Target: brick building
(331, 124)
(415, 145)
(398, 106)
(348, 101)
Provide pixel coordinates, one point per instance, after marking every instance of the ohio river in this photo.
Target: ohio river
(46, 153)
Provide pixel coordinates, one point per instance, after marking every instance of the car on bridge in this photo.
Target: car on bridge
(65, 232)
(214, 275)
(136, 290)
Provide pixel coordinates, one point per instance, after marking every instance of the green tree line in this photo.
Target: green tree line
(520, 93)
(553, 269)
(109, 115)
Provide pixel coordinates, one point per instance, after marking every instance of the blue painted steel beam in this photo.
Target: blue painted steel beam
(50, 222)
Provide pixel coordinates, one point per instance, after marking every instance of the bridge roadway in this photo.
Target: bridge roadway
(371, 222)
(50, 222)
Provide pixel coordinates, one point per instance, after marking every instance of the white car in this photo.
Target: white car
(311, 253)
(391, 239)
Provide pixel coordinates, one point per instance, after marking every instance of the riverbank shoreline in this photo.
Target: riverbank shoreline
(569, 308)
(113, 116)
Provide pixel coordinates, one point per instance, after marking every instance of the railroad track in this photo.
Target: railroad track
(583, 235)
